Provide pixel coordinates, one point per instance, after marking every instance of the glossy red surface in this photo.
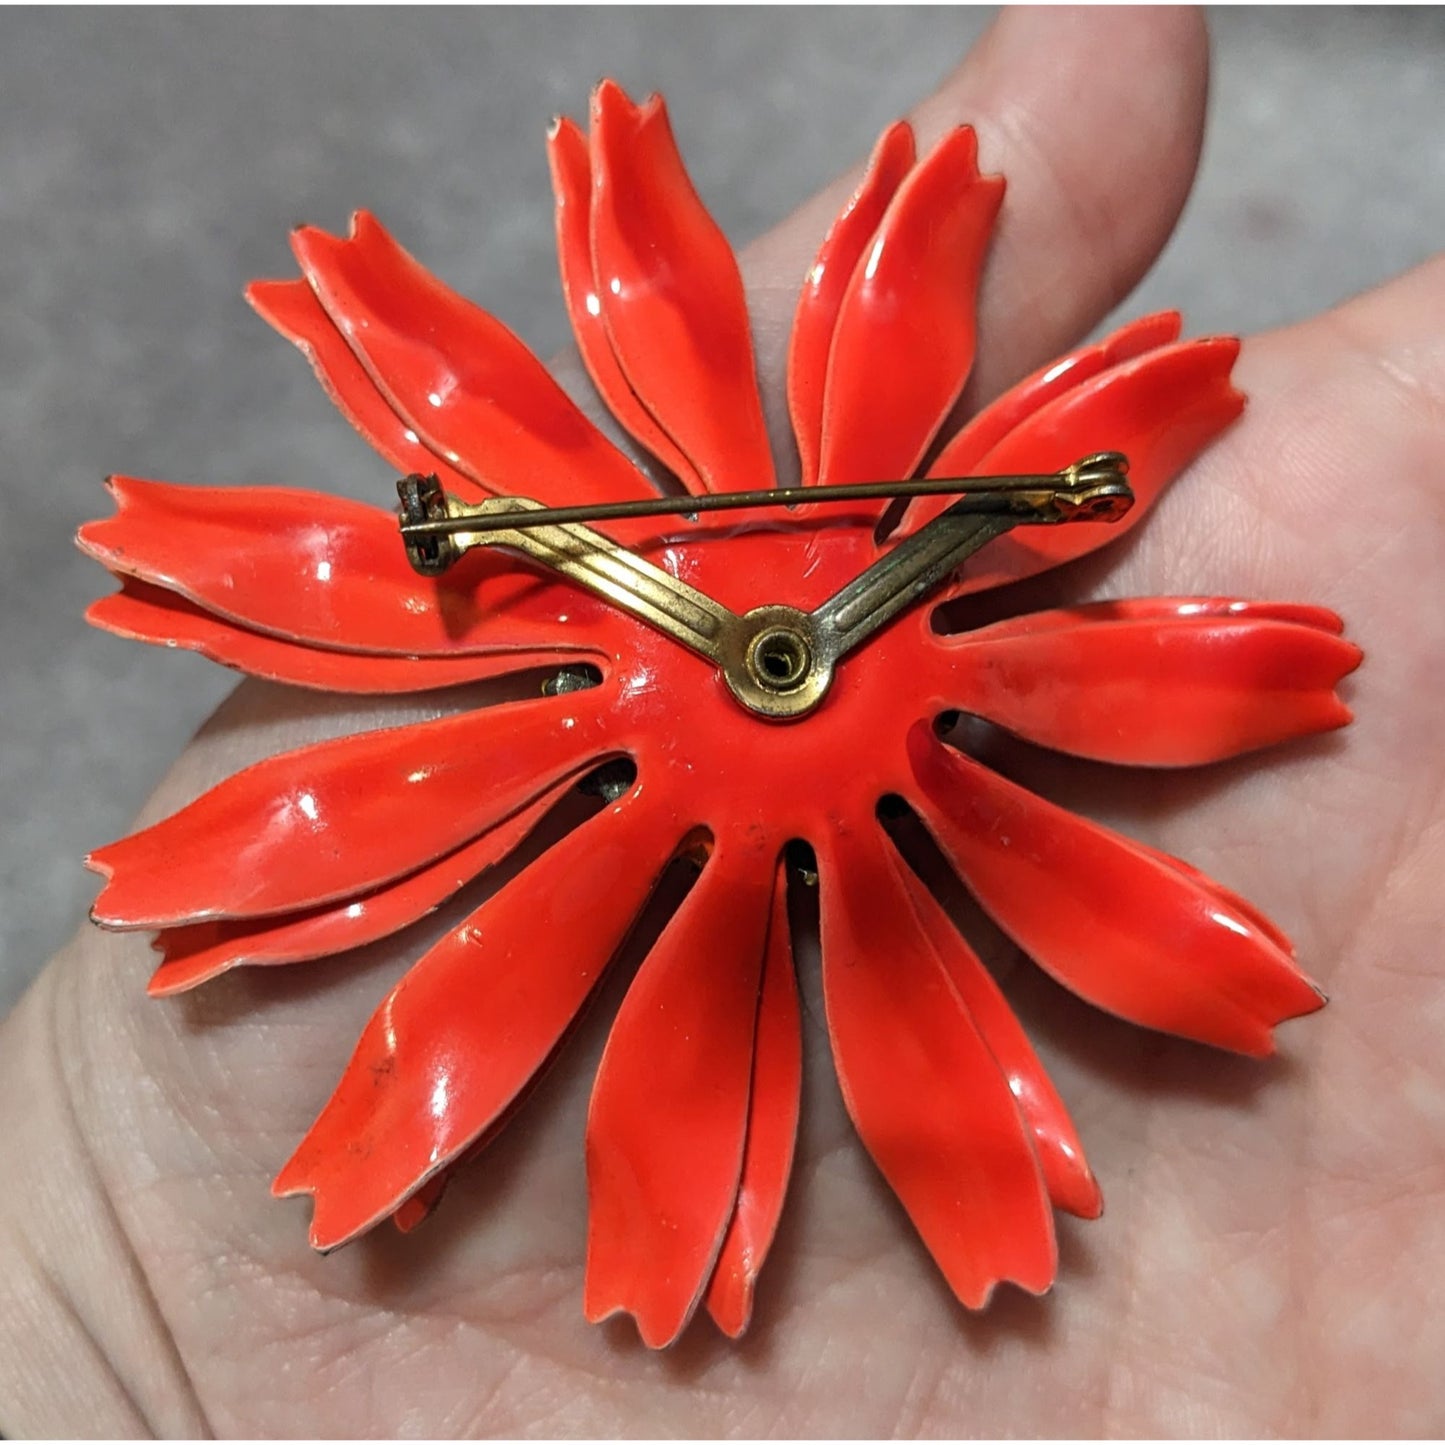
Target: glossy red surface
(200, 951)
(326, 571)
(695, 1109)
(910, 300)
(1194, 687)
(474, 1021)
(1160, 409)
(466, 386)
(772, 1128)
(827, 281)
(669, 1113)
(672, 296)
(571, 161)
(1070, 1184)
(1176, 958)
(147, 613)
(925, 1091)
(293, 309)
(977, 437)
(403, 796)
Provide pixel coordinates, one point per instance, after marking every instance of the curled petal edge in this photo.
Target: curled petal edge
(433, 1074)
(1162, 691)
(467, 387)
(816, 317)
(335, 819)
(143, 612)
(196, 954)
(672, 296)
(571, 166)
(1114, 923)
(668, 1119)
(922, 1087)
(911, 299)
(771, 1133)
(331, 573)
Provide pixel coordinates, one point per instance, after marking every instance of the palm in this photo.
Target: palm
(1264, 1222)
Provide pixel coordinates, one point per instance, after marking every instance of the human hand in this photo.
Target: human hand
(1263, 1264)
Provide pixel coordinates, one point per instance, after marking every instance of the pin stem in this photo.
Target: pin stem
(992, 492)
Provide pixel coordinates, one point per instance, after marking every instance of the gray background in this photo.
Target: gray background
(153, 161)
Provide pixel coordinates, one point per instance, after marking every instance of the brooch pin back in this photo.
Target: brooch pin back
(731, 669)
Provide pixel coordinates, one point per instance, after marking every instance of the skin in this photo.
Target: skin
(1273, 1232)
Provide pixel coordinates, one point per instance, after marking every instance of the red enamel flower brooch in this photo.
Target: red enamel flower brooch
(727, 676)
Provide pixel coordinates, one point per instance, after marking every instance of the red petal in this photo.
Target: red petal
(201, 951)
(1161, 409)
(572, 186)
(414, 1209)
(817, 315)
(1066, 1172)
(903, 346)
(1167, 692)
(926, 1094)
(1227, 898)
(151, 614)
(324, 570)
(771, 1133)
(292, 308)
(672, 297)
(469, 1028)
(1120, 927)
(669, 1113)
(1161, 609)
(338, 818)
(469, 389)
(962, 455)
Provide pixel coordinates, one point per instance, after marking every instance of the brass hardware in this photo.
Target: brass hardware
(777, 660)
(1024, 495)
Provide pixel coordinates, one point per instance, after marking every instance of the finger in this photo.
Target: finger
(1097, 174)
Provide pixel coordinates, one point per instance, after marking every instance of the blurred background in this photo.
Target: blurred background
(152, 161)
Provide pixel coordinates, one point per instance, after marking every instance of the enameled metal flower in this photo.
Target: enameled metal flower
(692, 1121)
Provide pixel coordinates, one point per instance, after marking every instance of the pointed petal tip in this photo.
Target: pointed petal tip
(307, 242)
(174, 977)
(266, 293)
(898, 133)
(409, 1214)
(164, 985)
(324, 1234)
(655, 1334)
(1081, 1196)
(567, 150)
(733, 1313)
(608, 95)
(95, 862)
(291, 1180)
(1308, 999)
(95, 614)
(1091, 1203)
(1168, 325)
(979, 1296)
(963, 139)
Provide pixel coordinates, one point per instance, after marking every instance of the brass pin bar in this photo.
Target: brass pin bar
(993, 494)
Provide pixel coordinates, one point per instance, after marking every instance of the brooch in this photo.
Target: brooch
(735, 675)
